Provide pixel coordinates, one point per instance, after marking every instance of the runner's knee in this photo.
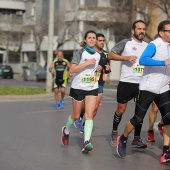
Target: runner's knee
(166, 119)
(135, 120)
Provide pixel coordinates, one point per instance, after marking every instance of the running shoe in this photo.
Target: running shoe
(121, 147)
(160, 128)
(82, 129)
(62, 104)
(64, 137)
(77, 123)
(113, 138)
(138, 143)
(57, 105)
(165, 157)
(151, 137)
(87, 146)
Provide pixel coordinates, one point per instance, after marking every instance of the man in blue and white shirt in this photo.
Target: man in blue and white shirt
(154, 86)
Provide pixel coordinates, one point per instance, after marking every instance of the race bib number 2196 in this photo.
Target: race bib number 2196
(88, 78)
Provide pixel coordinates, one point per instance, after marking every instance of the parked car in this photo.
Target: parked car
(41, 74)
(6, 71)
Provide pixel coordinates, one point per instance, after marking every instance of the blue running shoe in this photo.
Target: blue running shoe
(82, 129)
(57, 105)
(77, 123)
(62, 104)
(87, 147)
(121, 147)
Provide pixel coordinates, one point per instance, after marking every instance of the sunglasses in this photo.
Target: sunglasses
(167, 31)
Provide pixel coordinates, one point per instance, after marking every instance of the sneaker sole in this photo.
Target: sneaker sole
(62, 137)
(87, 148)
(141, 147)
(163, 160)
(117, 143)
(150, 140)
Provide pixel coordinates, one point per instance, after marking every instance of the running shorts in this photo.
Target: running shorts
(127, 91)
(80, 95)
(60, 83)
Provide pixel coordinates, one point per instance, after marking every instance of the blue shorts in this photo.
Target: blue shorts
(100, 90)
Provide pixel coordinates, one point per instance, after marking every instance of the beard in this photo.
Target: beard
(139, 37)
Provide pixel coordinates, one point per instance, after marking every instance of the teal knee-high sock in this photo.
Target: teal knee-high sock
(88, 130)
(69, 123)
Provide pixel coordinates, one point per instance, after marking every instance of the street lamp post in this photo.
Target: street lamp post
(50, 45)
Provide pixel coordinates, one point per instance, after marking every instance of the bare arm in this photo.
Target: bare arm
(76, 68)
(68, 66)
(114, 56)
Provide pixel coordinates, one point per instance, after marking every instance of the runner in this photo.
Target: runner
(84, 88)
(153, 87)
(59, 68)
(128, 51)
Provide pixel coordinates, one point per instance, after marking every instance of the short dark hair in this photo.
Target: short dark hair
(162, 24)
(99, 35)
(135, 22)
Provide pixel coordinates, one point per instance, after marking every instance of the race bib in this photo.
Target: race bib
(88, 79)
(137, 70)
(97, 75)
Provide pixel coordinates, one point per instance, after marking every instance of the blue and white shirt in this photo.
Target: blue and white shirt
(156, 76)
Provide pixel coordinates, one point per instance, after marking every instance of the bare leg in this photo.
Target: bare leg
(99, 98)
(56, 94)
(152, 115)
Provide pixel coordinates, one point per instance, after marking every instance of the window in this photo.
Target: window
(91, 3)
(14, 57)
(121, 3)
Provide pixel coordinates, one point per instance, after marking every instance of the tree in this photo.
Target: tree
(151, 12)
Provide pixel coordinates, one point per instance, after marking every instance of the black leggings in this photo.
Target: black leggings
(143, 102)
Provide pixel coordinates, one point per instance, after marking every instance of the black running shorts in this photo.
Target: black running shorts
(80, 95)
(127, 91)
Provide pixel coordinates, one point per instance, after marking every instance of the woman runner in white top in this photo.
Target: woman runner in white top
(84, 87)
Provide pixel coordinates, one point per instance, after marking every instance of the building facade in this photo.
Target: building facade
(28, 19)
(11, 20)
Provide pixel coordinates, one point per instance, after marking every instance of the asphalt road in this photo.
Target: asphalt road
(31, 130)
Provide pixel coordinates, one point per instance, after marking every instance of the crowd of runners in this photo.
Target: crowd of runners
(145, 77)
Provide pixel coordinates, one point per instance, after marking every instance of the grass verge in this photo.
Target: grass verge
(21, 91)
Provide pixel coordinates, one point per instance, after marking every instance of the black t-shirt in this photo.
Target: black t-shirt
(103, 61)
